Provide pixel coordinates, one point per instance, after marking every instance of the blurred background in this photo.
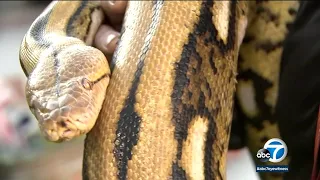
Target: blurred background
(24, 154)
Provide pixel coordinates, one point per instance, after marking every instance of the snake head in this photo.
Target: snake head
(66, 89)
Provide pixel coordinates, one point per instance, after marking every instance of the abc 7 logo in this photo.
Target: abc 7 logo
(274, 150)
(263, 155)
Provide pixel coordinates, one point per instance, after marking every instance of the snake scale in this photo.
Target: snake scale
(164, 104)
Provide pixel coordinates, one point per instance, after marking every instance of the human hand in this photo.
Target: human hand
(108, 34)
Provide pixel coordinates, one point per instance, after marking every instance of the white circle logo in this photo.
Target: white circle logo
(277, 148)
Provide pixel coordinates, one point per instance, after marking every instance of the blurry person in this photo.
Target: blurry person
(299, 90)
(20, 139)
(18, 129)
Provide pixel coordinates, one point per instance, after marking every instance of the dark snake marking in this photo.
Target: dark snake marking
(184, 113)
(205, 25)
(56, 67)
(178, 173)
(237, 132)
(85, 175)
(261, 85)
(270, 16)
(212, 65)
(247, 39)
(127, 133)
(70, 26)
(78, 16)
(37, 33)
(38, 30)
(21, 63)
(182, 118)
(268, 46)
(128, 127)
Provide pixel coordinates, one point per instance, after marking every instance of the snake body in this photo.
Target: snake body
(259, 67)
(166, 111)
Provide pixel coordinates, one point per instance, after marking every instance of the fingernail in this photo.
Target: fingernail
(112, 2)
(110, 37)
(111, 42)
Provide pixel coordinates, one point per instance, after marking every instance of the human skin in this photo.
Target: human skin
(109, 32)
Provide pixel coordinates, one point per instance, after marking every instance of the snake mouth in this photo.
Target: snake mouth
(63, 130)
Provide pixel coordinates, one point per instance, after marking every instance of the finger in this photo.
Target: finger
(106, 40)
(114, 10)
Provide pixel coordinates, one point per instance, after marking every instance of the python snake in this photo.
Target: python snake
(164, 107)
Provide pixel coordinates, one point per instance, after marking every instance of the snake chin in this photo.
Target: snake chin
(64, 128)
(65, 123)
(61, 131)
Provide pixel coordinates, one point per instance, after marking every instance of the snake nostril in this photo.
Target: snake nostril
(67, 131)
(79, 120)
(63, 124)
(68, 134)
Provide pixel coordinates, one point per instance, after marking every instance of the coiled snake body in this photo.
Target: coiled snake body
(166, 111)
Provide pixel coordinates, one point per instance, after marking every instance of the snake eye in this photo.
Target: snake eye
(86, 84)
